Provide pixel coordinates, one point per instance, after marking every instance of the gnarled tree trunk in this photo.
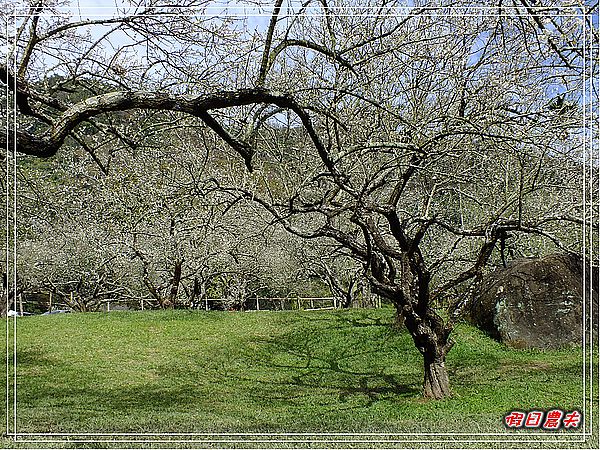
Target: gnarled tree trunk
(431, 337)
(435, 382)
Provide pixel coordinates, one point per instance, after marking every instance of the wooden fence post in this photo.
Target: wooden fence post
(257, 304)
(50, 303)
(21, 304)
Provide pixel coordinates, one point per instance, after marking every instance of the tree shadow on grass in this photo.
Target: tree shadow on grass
(34, 358)
(350, 367)
(288, 373)
(502, 368)
(385, 386)
(344, 319)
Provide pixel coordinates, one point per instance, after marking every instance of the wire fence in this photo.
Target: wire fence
(261, 304)
(25, 305)
(270, 303)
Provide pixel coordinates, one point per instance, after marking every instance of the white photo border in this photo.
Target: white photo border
(590, 344)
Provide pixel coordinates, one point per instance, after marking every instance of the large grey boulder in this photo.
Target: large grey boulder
(537, 302)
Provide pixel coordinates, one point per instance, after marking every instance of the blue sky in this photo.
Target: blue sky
(94, 9)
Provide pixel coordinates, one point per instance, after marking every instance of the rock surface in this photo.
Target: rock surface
(537, 302)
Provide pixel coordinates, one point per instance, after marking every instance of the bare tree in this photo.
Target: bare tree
(155, 229)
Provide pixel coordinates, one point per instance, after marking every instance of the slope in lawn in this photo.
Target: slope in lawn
(182, 371)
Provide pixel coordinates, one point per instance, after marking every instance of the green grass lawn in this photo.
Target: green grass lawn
(317, 371)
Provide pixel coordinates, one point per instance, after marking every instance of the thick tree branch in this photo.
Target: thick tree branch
(49, 143)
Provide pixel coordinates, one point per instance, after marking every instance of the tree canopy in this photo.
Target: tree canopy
(418, 140)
